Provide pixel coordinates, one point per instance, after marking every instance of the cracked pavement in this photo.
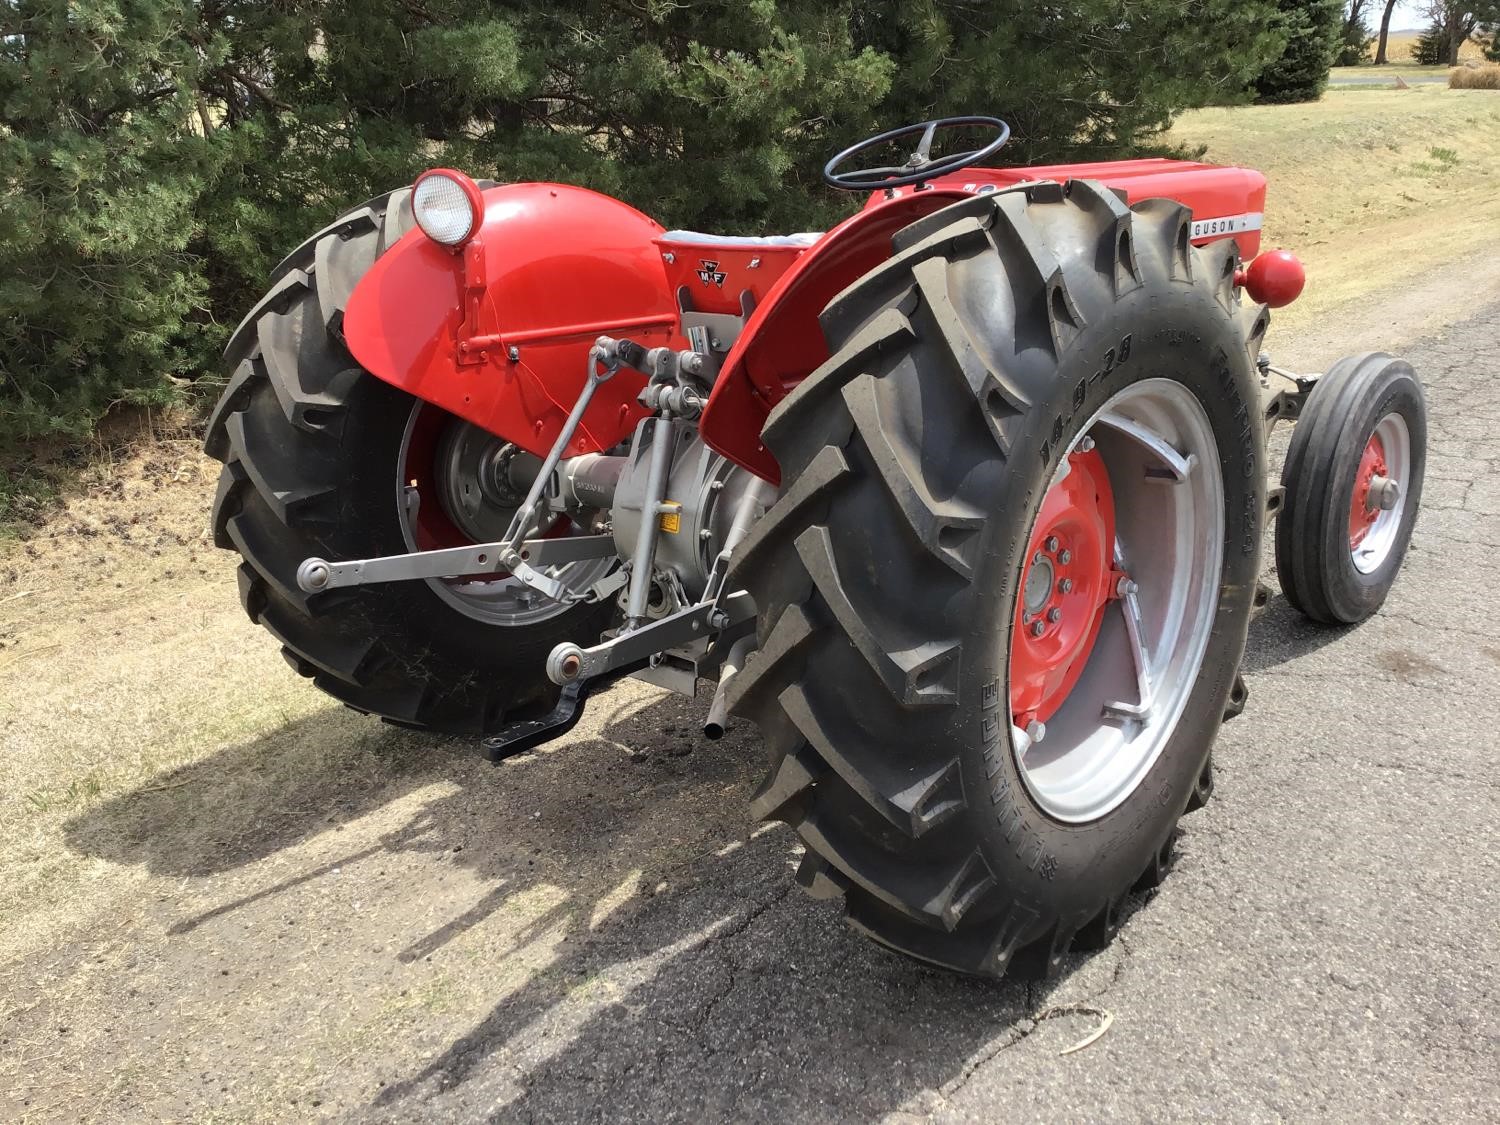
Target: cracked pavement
(1327, 946)
(342, 920)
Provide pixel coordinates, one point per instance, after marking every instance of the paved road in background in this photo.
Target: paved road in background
(1390, 80)
(1328, 945)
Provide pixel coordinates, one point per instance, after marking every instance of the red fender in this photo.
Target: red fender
(498, 331)
(782, 342)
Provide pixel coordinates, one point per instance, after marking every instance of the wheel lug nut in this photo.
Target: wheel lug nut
(1038, 559)
(1054, 615)
(1085, 444)
(1038, 629)
(1065, 558)
(1036, 730)
(1065, 586)
(1051, 543)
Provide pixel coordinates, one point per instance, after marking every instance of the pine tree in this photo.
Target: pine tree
(1355, 38)
(97, 290)
(159, 156)
(1311, 29)
(1431, 46)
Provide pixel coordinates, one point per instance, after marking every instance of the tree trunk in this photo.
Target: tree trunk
(1354, 18)
(1455, 26)
(1385, 32)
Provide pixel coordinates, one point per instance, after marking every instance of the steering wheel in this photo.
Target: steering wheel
(921, 167)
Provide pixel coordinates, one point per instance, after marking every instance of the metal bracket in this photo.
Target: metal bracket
(518, 738)
(568, 663)
(317, 574)
(515, 553)
(1130, 607)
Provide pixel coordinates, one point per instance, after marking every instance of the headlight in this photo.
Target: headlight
(447, 206)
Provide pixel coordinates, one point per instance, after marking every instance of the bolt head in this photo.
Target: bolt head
(1054, 615)
(1126, 587)
(313, 575)
(1065, 557)
(1038, 629)
(1052, 543)
(1065, 586)
(1085, 444)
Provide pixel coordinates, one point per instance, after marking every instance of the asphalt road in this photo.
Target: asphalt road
(1328, 945)
(1373, 80)
(337, 919)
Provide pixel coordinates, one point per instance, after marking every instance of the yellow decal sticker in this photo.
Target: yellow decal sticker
(670, 521)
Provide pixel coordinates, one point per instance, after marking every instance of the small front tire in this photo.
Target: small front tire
(1353, 484)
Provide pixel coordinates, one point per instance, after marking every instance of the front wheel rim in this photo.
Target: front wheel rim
(1084, 747)
(1378, 502)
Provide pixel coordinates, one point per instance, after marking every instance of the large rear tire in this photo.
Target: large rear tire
(894, 577)
(315, 456)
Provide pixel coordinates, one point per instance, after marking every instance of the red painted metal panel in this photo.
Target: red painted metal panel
(552, 268)
(782, 343)
(498, 332)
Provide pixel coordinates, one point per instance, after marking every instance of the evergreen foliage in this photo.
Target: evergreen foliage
(1431, 46)
(158, 156)
(1355, 38)
(1311, 30)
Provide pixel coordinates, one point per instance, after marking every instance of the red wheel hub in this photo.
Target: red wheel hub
(1068, 579)
(433, 530)
(1363, 510)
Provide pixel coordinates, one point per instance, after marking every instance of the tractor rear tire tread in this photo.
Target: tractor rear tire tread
(285, 494)
(850, 667)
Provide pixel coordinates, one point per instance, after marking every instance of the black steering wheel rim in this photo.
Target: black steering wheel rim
(920, 168)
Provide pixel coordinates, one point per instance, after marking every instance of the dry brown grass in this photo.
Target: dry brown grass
(1403, 43)
(1475, 77)
(1367, 186)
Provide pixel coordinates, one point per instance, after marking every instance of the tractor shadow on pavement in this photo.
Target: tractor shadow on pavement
(1281, 634)
(686, 976)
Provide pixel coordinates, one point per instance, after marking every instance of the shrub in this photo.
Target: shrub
(158, 156)
(1431, 45)
(1312, 29)
(1474, 77)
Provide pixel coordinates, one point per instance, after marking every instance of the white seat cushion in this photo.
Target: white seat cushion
(751, 241)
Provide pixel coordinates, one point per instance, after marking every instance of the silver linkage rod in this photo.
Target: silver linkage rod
(603, 362)
(645, 539)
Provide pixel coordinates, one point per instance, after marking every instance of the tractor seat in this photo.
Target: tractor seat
(727, 273)
(692, 237)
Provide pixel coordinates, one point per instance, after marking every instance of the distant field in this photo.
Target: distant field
(1402, 43)
(1367, 186)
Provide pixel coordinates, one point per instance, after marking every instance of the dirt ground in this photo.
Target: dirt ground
(224, 898)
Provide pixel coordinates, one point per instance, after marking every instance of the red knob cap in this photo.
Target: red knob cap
(1276, 279)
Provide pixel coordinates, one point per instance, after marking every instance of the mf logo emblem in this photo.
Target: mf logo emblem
(710, 273)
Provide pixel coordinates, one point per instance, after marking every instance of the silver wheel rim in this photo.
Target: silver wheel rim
(501, 600)
(1162, 458)
(1380, 540)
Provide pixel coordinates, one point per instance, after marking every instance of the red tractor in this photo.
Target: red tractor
(961, 502)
